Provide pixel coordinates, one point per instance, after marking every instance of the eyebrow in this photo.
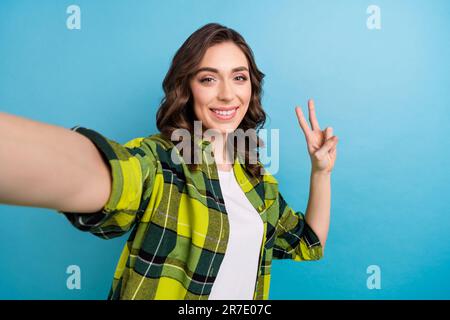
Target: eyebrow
(217, 71)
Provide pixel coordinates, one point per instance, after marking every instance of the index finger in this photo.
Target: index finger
(312, 115)
(302, 121)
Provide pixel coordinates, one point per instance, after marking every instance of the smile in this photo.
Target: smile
(227, 114)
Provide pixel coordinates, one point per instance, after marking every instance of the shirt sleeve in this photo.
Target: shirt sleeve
(294, 238)
(133, 168)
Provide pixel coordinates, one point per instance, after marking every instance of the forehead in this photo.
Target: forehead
(224, 56)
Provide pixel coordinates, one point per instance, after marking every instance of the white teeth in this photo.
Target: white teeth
(225, 113)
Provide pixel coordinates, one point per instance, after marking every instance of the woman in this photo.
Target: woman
(199, 229)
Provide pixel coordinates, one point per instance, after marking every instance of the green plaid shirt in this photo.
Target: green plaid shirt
(178, 222)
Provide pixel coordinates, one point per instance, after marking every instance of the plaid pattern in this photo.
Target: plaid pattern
(179, 223)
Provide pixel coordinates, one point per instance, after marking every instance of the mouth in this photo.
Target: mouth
(226, 113)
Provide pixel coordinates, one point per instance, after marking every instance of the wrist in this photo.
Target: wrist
(321, 173)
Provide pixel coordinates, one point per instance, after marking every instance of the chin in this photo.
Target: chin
(226, 128)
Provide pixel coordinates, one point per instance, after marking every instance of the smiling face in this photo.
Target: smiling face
(221, 87)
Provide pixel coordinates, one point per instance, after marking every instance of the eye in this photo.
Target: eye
(207, 80)
(241, 78)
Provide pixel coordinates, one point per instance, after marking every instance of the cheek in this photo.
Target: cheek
(202, 96)
(245, 94)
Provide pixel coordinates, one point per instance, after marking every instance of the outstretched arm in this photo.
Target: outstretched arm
(43, 165)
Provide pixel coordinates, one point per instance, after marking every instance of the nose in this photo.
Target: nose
(226, 92)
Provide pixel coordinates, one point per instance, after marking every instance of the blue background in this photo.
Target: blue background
(385, 92)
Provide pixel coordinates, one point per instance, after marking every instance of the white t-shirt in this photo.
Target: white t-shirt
(236, 278)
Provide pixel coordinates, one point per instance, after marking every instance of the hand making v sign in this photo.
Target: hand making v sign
(321, 144)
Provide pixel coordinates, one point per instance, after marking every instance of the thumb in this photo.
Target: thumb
(327, 146)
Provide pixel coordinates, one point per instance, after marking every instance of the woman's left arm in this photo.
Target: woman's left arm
(322, 151)
(317, 213)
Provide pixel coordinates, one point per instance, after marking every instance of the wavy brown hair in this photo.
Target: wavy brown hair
(176, 109)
